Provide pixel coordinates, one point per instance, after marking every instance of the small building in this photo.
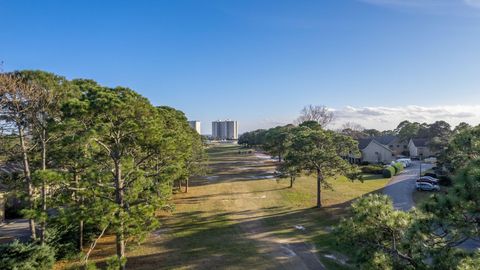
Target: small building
(419, 148)
(196, 125)
(374, 151)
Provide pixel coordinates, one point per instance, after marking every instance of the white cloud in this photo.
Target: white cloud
(409, 3)
(473, 3)
(389, 117)
(380, 117)
(428, 6)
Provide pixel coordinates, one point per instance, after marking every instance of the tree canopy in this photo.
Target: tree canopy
(102, 158)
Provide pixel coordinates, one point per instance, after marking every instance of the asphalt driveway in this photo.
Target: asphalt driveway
(402, 186)
(401, 189)
(15, 229)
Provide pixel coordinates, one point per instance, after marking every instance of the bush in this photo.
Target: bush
(372, 169)
(388, 172)
(445, 180)
(62, 239)
(364, 163)
(398, 167)
(19, 256)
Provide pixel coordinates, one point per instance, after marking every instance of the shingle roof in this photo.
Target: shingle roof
(363, 143)
(386, 139)
(7, 169)
(383, 140)
(420, 142)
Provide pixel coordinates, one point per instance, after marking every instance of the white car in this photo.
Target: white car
(405, 161)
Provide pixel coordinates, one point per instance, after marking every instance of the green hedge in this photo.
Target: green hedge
(19, 256)
(398, 167)
(389, 172)
(372, 169)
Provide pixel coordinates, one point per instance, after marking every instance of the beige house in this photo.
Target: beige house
(398, 147)
(374, 151)
(419, 148)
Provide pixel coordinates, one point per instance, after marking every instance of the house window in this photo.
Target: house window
(398, 145)
(393, 154)
(404, 147)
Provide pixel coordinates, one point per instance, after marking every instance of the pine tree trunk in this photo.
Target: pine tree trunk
(79, 201)
(291, 182)
(43, 224)
(119, 199)
(80, 240)
(186, 185)
(319, 188)
(28, 179)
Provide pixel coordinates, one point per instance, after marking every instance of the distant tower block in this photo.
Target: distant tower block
(225, 130)
(196, 125)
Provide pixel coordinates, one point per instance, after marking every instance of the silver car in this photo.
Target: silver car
(425, 186)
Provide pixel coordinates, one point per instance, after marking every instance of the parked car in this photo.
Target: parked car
(425, 186)
(405, 161)
(428, 179)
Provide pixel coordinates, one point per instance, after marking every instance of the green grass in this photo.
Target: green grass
(212, 225)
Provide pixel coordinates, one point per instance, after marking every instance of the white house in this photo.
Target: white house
(373, 151)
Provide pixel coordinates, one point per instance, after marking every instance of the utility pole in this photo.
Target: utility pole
(420, 169)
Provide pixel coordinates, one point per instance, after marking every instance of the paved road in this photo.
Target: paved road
(402, 186)
(14, 229)
(401, 189)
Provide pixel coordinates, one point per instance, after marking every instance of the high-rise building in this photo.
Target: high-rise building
(225, 130)
(195, 125)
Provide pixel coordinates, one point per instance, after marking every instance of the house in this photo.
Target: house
(418, 148)
(6, 170)
(374, 150)
(399, 147)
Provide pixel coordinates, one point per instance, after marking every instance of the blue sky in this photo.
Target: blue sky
(372, 61)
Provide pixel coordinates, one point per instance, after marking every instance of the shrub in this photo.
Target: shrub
(62, 238)
(445, 180)
(398, 167)
(389, 172)
(19, 256)
(372, 169)
(364, 163)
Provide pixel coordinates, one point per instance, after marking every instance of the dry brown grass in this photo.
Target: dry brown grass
(217, 223)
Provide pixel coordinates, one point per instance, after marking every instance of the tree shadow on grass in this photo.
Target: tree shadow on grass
(238, 239)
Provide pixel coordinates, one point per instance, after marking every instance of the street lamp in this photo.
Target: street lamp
(420, 169)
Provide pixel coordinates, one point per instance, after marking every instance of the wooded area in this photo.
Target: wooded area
(93, 159)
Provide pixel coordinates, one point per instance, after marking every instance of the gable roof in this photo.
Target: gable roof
(9, 168)
(384, 140)
(381, 145)
(420, 142)
(363, 143)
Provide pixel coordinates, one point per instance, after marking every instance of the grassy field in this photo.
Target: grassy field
(238, 216)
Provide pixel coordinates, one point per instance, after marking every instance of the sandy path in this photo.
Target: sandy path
(283, 253)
